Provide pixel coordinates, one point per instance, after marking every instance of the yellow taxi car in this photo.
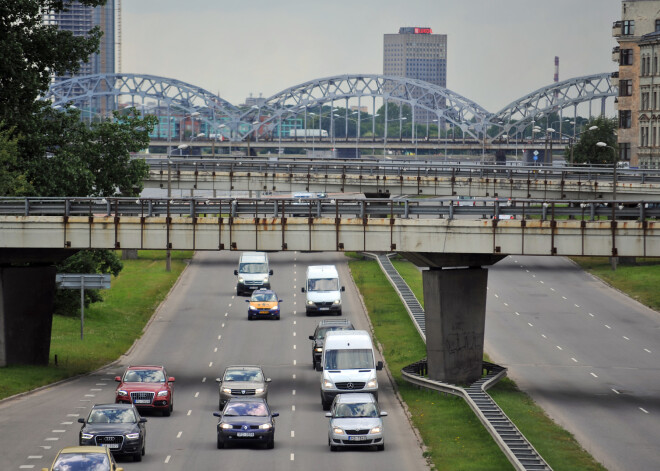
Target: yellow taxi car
(83, 458)
(263, 303)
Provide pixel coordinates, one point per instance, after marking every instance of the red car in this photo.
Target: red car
(148, 387)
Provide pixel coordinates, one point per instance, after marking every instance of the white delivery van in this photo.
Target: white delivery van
(348, 365)
(253, 272)
(323, 292)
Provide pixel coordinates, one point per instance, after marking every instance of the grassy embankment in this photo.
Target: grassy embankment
(111, 327)
(454, 437)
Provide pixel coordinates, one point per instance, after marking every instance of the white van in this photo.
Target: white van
(348, 365)
(323, 292)
(253, 272)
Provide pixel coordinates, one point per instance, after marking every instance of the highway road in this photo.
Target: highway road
(586, 353)
(201, 328)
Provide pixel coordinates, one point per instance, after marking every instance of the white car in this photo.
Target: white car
(355, 420)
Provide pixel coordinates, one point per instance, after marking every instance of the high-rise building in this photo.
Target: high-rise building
(416, 53)
(79, 19)
(638, 102)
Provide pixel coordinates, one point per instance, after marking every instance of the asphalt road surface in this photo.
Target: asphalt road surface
(200, 329)
(587, 354)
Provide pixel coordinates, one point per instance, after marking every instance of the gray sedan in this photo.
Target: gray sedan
(243, 382)
(355, 420)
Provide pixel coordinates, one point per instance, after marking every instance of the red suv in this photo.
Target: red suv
(148, 387)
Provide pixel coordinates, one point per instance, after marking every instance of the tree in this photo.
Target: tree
(586, 150)
(12, 181)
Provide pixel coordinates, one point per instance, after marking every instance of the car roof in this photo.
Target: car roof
(118, 405)
(243, 367)
(330, 322)
(262, 291)
(355, 398)
(246, 399)
(83, 449)
(145, 367)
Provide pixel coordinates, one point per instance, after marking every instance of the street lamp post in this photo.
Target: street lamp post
(548, 132)
(180, 148)
(614, 165)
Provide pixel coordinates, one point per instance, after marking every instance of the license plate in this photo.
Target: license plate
(264, 312)
(357, 438)
(324, 309)
(142, 401)
(245, 434)
(113, 446)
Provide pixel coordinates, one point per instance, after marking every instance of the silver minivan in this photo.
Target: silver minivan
(253, 272)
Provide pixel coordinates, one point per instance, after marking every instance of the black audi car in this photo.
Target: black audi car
(246, 421)
(117, 426)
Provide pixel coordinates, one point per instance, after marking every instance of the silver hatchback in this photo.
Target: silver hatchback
(243, 382)
(355, 420)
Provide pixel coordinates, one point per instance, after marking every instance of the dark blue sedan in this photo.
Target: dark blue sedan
(247, 421)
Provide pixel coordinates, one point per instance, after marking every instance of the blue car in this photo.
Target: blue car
(248, 421)
(264, 303)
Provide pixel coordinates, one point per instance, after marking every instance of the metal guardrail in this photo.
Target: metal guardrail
(522, 455)
(405, 208)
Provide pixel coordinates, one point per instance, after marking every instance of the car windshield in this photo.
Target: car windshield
(243, 375)
(324, 330)
(144, 376)
(82, 462)
(112, 416)
(254, 409)
(367, 409)
(359, 358)
(252, 268)
(323, 284)
(263, 297)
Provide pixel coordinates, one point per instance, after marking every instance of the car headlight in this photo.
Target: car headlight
(252, 308)
(259, 390)
(337, 301)
(226, 390)
(328, 384)
(265, 279)
(133, 436)
(240, 279)
(372, 383)
(162, 393)
(265, 426)
(87, 436)
(318, 349)
(337, 431)
(225, 426)
(310, 303)
(122, 393)
(375, 430)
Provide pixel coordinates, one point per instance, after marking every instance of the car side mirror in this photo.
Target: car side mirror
(379, 366)
(328, 414)
(343, 288)
(275, 414)
(319, 367)
(270, 272)
(247, 300)
(218, 380)
(81, 420)
(268, 380)
(236, 272)
(311, 337)
(143, 420)
(383, 414)
(217, 414)
(302, 289)
(118, 379)
(171, 379)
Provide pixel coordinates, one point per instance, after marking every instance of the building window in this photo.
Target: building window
(657, 25)
(624, 151)
(625, 87)
(628, 27)
(625, 119)
(645, 100)
(626, 57)
(643, 141)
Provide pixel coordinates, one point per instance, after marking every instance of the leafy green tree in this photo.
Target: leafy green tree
(67, 302)
(586, 150)
(12, 180)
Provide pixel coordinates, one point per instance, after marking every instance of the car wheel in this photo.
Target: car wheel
(326, 405)
(314, 364)
(220, 445)
(167, 412)
(277, 318)
(270, 444)
(380, 447)
(332, 447)
(144, 449)
(220, 405)
(137, 456)
(250, 317)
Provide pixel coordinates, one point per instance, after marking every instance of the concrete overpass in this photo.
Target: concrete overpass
(434, 234)
(397, 178)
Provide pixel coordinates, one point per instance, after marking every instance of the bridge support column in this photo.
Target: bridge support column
(26, 313)
(455, 305)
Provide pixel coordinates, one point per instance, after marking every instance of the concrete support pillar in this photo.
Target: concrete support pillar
(455, 305)
(26, 314)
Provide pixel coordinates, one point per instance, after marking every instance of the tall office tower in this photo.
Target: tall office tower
(416, 53)
(79, 19)
(638, 101)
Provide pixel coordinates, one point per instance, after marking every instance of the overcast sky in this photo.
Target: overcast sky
(498, 50)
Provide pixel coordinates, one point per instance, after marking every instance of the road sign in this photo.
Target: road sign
(81, 281)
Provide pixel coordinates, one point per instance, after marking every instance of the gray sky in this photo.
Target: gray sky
(498, 50)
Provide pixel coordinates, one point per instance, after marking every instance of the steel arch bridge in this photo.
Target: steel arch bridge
(312, 99)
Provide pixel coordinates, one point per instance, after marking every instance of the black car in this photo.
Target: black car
(246, 421)
(325, 326)
(117, 426)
